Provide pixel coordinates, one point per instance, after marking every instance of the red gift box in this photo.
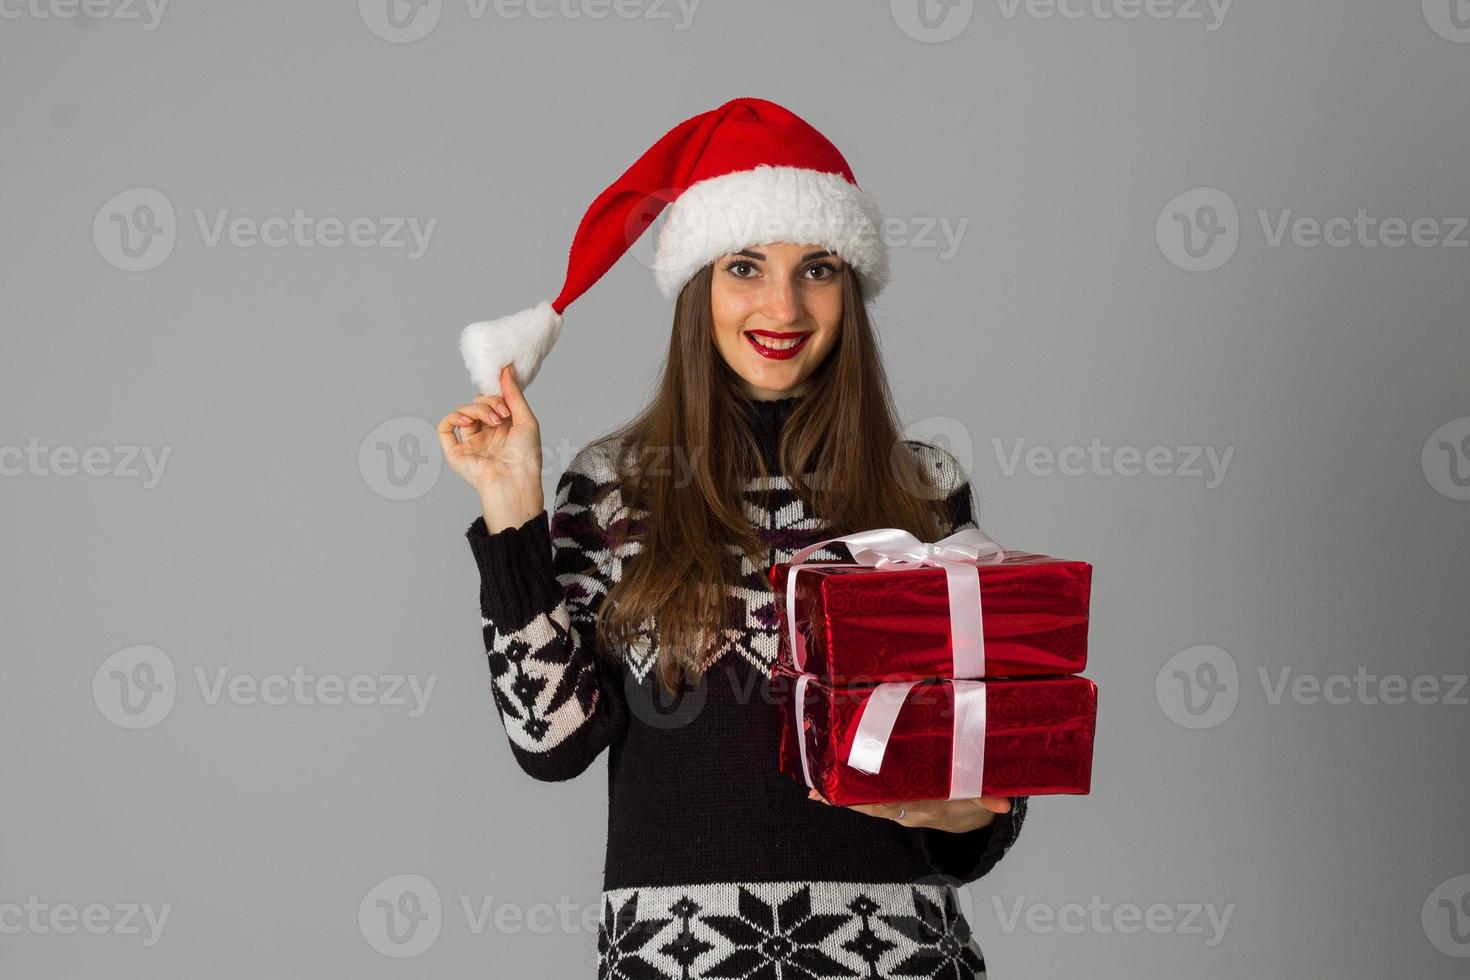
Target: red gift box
(864, 624)
(1037, 737)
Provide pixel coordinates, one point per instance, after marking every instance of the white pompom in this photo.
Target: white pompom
(522, 340)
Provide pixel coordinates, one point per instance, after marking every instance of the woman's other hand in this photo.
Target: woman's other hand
(498, 452)
(955, 816)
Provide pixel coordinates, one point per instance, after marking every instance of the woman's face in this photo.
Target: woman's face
(777, 311)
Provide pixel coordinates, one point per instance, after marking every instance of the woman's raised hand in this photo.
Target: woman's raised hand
(498, 452)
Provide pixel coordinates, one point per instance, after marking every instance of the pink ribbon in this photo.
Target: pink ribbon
(875, 727)
(894, 548)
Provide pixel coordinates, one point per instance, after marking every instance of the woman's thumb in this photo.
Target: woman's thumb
(509, 387)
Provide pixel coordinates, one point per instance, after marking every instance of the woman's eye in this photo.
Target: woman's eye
(824, 270)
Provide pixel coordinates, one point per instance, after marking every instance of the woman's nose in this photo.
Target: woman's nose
(782, 302)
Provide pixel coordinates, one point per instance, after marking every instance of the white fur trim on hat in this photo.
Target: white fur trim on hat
(522, 339)
(725, 214)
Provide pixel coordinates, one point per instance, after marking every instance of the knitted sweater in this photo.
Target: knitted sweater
(717, 864)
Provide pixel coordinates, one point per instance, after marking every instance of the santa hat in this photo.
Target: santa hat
(744, 174)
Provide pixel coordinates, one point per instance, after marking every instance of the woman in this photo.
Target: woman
(771, 428)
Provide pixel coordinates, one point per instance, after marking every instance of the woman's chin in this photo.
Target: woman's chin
(773, 382)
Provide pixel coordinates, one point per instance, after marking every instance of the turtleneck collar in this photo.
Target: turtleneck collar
(767, 419)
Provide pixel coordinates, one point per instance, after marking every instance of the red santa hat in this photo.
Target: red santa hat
(747, 173)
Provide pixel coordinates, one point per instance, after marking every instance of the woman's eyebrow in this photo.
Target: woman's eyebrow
(759, 257)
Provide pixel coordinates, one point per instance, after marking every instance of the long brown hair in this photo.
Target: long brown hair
(683, 460)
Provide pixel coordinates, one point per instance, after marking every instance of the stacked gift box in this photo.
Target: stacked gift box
(943, 671)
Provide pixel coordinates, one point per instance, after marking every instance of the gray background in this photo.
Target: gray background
(1334, 543)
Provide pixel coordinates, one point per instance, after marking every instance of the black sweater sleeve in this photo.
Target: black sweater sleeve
(967, 856)
(559, 698)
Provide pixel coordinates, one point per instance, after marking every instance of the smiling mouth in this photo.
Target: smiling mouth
(776, 345)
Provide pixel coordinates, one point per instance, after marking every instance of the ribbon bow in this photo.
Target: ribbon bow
(890, 546)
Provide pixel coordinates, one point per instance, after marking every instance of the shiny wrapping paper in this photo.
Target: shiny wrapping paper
(1038, 739)
(864, 625)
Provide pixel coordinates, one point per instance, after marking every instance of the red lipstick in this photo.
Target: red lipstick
(773, 353)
